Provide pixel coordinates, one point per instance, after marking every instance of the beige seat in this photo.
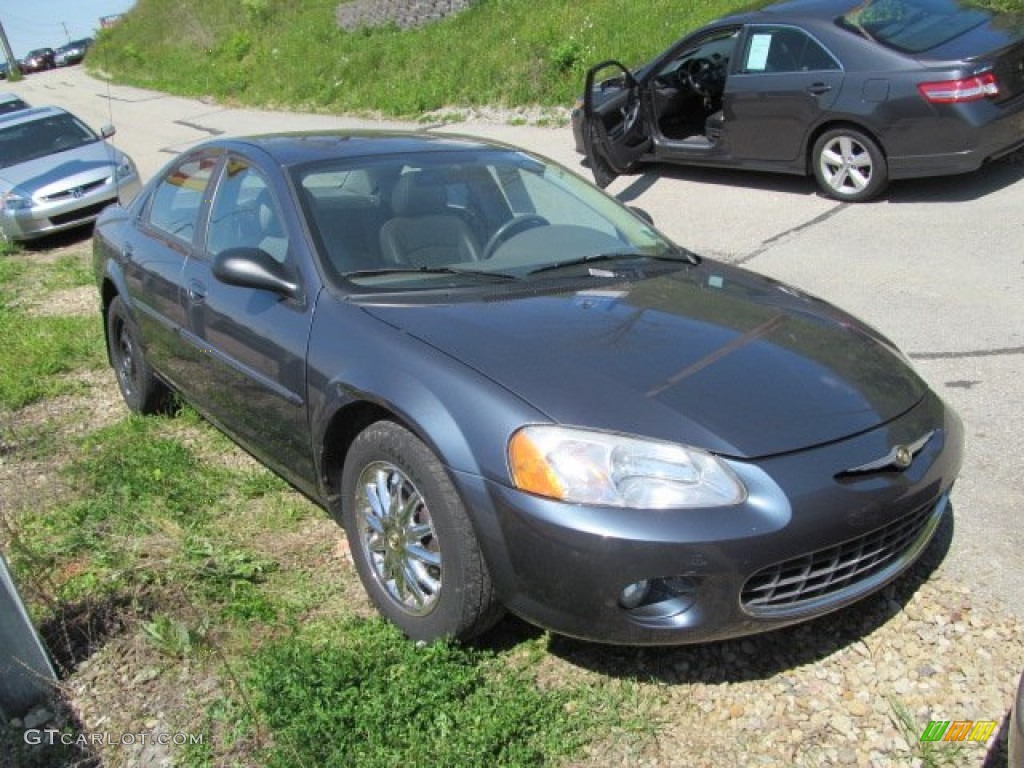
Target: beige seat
(423, 231)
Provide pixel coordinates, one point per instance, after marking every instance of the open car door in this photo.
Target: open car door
(615, 131)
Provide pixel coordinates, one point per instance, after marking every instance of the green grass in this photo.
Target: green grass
(368, 697)
(278, 53)
(36, 350)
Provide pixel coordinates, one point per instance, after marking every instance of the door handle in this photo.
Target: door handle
(819, 88)
(196, 292)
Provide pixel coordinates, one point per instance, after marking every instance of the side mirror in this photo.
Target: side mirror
(107, 131)
(254, 268)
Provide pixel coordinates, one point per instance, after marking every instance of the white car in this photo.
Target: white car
(56, 173)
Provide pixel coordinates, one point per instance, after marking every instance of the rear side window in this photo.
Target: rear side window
(784, 49)
(176, 200)
(912, 26)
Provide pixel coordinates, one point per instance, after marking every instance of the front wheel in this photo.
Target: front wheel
(849, 165)
(411, 539)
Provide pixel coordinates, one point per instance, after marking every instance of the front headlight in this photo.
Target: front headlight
(15, 201)
(125, 169)
(587, 467)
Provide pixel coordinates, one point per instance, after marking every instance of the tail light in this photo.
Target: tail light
(955, 91)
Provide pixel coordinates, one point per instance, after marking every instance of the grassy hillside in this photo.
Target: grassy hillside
(290, 53)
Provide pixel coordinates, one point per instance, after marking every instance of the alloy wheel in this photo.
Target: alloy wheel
(398, 537)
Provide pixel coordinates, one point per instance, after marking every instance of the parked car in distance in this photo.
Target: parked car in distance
(56, 173)
(853, 92)
(72, 53)
(39, 60)
(514, 393)
(10, 102)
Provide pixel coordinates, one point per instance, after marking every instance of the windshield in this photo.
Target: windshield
(28, 141)
(912, 26)
(462, 217)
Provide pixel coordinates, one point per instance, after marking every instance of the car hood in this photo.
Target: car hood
(713, 356)
(60, 171)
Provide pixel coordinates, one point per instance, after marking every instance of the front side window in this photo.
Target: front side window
(178, 197)
(244, 213)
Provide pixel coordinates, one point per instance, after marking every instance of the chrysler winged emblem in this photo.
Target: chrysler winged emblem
(899, 458)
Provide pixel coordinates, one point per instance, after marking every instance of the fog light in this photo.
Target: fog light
(635, 594)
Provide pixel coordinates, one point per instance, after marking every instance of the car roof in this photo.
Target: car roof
(289, 149)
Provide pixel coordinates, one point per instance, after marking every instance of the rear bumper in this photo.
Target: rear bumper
(972, 135)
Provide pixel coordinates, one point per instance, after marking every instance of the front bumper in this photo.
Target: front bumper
(804, 543)
(68, 212)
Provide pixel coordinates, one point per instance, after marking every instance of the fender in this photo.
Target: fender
(463, 416)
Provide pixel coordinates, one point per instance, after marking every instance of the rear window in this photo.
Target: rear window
(912, 26)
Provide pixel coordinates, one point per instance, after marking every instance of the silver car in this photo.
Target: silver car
(57, 174)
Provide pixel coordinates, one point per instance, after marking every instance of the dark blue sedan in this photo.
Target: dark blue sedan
(514, 393)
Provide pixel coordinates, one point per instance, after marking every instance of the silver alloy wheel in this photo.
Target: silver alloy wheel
(398, 538)
(846, 165)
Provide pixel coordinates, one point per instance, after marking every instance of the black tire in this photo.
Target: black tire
(141, 390)
(411, 539)
(849, 165)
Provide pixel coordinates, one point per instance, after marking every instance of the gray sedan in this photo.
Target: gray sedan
(57, 174)
(514, 393)
(853, 92)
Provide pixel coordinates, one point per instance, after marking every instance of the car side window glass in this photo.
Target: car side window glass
(178, 197)
(244, 213)
(785, 49)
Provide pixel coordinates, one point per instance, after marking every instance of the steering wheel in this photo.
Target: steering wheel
(697, 75)
(515, 225)
(630, 115)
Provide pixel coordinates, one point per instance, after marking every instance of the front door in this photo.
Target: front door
(252, 342)
(615, 132)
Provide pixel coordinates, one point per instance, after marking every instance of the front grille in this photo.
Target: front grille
(815, 581)
(70, 194)
(81, 214)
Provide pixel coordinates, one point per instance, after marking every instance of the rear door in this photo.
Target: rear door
(783, 83)
(154, 256)
(615, 130)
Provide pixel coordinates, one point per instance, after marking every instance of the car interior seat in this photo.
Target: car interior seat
(423, 230)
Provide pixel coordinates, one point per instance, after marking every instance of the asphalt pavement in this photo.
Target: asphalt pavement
(936, 264)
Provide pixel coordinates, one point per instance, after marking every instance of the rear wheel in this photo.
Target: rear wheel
(141, 390)
(411, 539)
(849, 165)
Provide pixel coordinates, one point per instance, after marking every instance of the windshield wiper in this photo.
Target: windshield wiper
(677, 255)
(427, 271)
